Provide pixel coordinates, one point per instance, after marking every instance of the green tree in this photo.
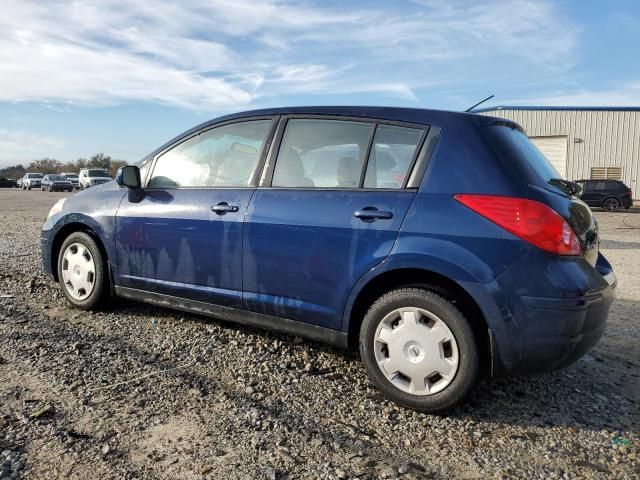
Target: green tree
(13, 172)
(99, 160)
(45, 165)
(78, 164)
(115, 165)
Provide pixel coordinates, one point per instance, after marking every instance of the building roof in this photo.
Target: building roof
(564, 107)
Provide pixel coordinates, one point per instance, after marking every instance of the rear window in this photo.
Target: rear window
(517, 154)
(528, 150)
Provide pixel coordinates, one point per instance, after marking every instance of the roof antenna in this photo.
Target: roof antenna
(479, 103)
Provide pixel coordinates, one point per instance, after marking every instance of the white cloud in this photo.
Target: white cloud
(17, 146)
(622, 97)
(224, 54)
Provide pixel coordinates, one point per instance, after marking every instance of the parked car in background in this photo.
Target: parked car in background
(437, 275)
(19, 182)
(93, 176)
(7, 183)
(31, 180)
(56, 183)
(73, 178)
(607, 194)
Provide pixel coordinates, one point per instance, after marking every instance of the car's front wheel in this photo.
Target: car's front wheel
(419, 350)
(82, 271)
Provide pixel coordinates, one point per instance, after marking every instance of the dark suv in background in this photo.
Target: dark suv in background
(607, 194)
(442, 243)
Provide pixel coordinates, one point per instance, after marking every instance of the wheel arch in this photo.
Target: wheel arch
(609, 197)
(429, 280)
(67, 230)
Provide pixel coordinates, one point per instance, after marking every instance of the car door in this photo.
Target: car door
(183, 236)
(329, 209)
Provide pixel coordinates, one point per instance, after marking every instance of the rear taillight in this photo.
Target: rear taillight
(527, 219)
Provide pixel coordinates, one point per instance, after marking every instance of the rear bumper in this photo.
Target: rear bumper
(557, 332)
(545, 315)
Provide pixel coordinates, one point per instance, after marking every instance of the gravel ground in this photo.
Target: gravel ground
(140, 392)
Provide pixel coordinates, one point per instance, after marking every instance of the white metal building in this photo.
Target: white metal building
(584, 142)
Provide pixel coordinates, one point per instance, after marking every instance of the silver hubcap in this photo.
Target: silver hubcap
(416, 351)
(78, 271)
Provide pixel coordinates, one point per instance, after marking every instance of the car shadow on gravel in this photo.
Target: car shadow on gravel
(178, 375)
(592, 394)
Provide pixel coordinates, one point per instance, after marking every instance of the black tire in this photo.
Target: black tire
(468, 371)
(611, 204)
(101, 278)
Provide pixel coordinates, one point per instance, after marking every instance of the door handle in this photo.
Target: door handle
(223, 208)
(370, 214)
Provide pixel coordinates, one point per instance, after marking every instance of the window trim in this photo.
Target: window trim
(423, 159)
(418, 155)
(367, 156)
(255, 175)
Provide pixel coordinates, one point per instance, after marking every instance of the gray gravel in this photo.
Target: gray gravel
(140, 392)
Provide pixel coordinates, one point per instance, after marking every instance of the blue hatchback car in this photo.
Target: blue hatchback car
(443, 244)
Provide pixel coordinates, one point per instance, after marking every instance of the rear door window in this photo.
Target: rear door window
(322, 154)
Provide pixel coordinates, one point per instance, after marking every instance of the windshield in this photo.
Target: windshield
(98, 173)
(70, 175)
(34, 175)
(56, 178)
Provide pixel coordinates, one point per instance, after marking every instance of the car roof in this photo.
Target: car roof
(423, 116)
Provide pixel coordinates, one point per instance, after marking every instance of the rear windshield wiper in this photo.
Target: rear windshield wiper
(567, 186)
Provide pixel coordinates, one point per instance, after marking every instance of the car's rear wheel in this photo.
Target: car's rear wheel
(419, 350)
(82, 271)
(611, 204)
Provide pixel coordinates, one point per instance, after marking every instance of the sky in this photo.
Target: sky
(124, 76)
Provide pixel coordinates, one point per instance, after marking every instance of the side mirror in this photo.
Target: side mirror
(129, 176)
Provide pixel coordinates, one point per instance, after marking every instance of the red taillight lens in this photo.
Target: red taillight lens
(530, 220)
